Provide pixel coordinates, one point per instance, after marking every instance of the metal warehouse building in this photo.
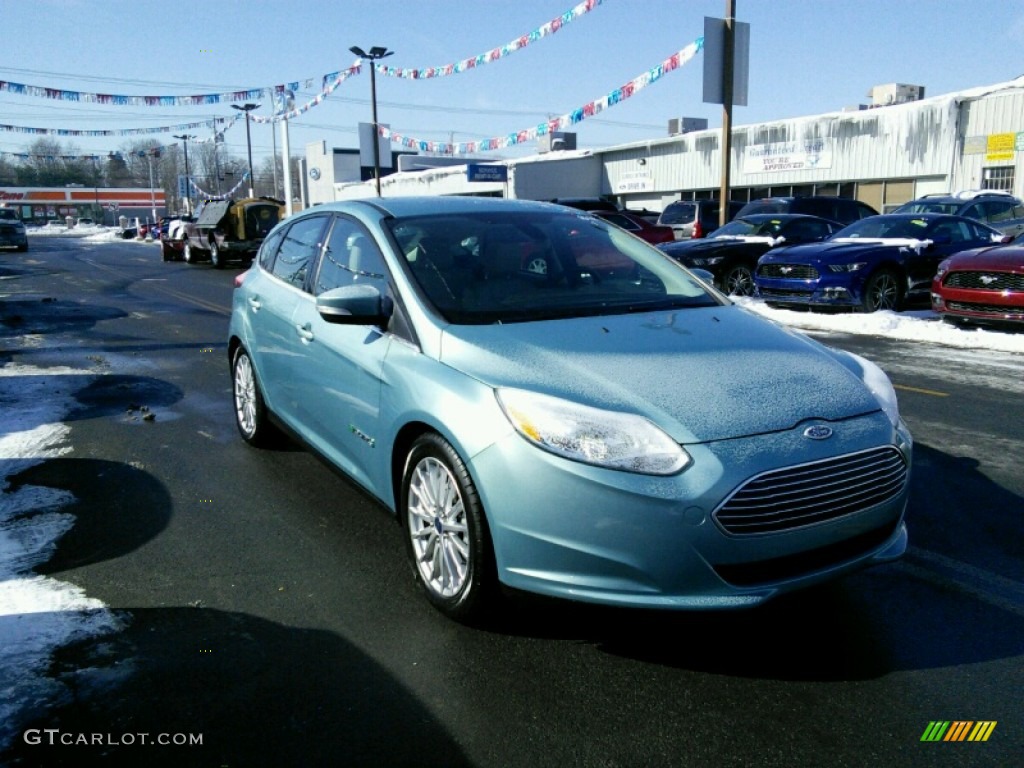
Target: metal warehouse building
(882, 155)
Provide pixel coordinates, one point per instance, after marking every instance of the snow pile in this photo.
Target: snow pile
(917, 325)
(38, 614)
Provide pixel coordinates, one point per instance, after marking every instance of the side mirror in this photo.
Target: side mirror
(354, 305)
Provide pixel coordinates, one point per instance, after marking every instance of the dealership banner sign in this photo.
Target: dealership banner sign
(803, 155)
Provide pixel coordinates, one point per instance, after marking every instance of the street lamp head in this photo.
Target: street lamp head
(245, 107)
(376, 52)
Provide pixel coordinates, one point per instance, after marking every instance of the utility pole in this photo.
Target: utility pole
(727, 95)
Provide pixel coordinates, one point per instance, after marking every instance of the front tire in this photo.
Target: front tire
(250, 408)
(187, 254)
(738, 281)
(446, 531)
(882, 291)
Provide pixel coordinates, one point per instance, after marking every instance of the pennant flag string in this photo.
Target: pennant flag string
(495, 53)
(556, 124)
(122, 132)
(285, 95)
(328, 82)
(224, 196)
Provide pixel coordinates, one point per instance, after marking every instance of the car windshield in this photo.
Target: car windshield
(678, 214)
(886, 227)
(7, 213)
(748, 228)
(516, 267)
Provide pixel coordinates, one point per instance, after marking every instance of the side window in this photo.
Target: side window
(996, 212)
(863, 211)
(978, 232)
(298, 249)
(822, 208)
(974, 211)
(269, 248)
(351, 256)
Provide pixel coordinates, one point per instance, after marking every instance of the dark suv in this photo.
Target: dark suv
(997, 209)
(845, 210)
(691, 219)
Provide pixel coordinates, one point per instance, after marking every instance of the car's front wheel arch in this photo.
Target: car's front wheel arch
(446, 530)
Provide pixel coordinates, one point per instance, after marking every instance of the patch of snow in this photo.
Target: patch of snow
(38, 614)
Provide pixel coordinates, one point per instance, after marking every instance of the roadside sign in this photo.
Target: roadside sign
(477, 172)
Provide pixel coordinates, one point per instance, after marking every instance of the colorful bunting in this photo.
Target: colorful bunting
(124, 132)
(617, 96)
(495, 53)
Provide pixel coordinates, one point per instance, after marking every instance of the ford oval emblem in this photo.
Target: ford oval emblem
(818, 432)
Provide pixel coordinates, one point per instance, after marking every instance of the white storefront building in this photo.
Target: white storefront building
(882, 155)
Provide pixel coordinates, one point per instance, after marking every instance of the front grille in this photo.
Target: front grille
(780, 293)
(985, 281)
(788, 271)
(789, 498)
(987, 309)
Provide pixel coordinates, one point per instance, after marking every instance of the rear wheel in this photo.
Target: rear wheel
(250, 409)
(882, 291)
(446, 532)
(215, 259)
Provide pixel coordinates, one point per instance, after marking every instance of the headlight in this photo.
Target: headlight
(610, 439)
(710, 261)
(874, 378)
(941, 270)
(847, 267)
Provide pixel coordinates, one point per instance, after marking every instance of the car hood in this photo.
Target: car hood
(701, 374)
(1001, 259)
(705, 247)
(840, 251)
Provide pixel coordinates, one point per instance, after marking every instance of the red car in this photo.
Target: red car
(639, 226)
(984, 285)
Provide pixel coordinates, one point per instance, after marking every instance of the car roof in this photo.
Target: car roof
(402, 207)
(780, 217)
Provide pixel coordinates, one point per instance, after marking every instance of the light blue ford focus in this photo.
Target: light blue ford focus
(548, 403)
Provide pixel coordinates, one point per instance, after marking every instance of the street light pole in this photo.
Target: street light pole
(188, 181)
(154, 152)
(375, 53)
(247, 108)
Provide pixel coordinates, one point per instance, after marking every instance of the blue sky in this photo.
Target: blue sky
(807, 57)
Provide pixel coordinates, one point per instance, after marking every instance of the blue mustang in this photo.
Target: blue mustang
(876, 263)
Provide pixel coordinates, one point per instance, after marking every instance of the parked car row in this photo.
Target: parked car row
(968, 270)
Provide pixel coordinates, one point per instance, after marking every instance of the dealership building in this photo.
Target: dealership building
(898, 147)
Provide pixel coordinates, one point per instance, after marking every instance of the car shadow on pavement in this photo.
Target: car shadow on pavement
(253, 691)
(117, 508)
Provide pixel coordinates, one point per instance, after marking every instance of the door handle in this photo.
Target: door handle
(255, 304)
(305, 332)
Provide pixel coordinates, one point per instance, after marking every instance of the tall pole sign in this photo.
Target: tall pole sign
(726, 77)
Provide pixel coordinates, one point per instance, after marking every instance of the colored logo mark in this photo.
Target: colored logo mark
(958, 730)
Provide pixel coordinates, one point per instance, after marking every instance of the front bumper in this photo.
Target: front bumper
(980, 305)
(834, 290)
(570, 530)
